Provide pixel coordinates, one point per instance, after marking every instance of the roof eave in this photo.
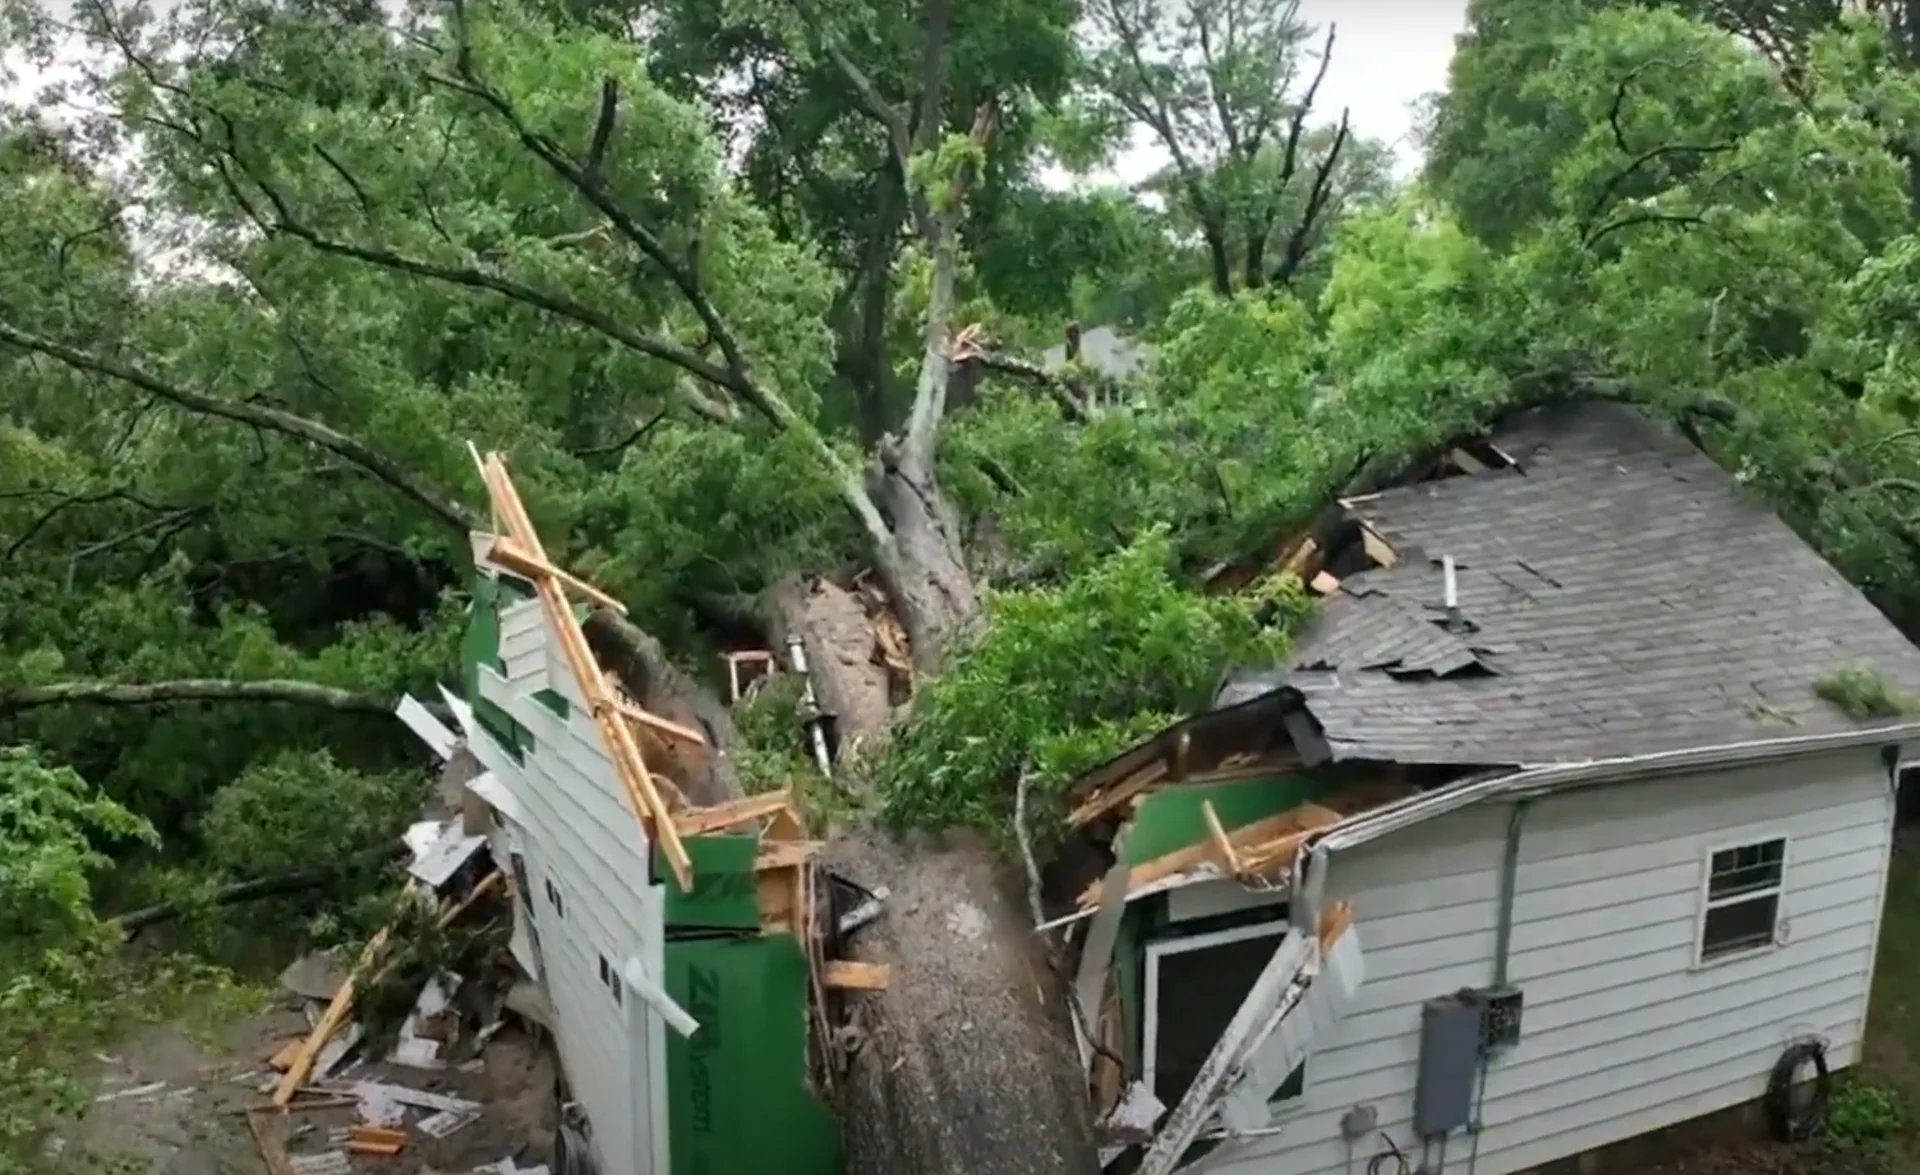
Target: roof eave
(1544, 779)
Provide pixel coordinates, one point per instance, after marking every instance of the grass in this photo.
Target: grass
(1886, 1095)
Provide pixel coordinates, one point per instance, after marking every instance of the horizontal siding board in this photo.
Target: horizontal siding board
(1623, 1034)
(578, 833)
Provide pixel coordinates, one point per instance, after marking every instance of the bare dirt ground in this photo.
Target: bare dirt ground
(176, 1105)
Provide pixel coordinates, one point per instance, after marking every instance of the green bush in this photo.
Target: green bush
(301, 810)
(1865, 1112)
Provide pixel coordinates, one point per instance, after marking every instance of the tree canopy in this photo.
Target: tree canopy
(754, 295)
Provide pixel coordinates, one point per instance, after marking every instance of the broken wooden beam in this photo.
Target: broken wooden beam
(1253, 847)
(854, 975)
(700, 821)
(510, 555)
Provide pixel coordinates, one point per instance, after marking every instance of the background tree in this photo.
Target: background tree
(1226, 89)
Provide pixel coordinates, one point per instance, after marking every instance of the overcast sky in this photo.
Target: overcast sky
(1387, 55)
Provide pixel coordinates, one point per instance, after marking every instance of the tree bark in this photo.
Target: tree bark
(161, 693)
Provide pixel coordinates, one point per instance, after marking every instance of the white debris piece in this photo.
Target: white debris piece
(430, 730)
(136, 1091)
(402, 1095)
(414, 1048)
(447, 1121)
(440, 850)
(378, 1106)
(1137, 1110)
(327, 1163)
(333, 1052)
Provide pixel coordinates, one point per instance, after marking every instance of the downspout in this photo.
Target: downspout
(1502, 952)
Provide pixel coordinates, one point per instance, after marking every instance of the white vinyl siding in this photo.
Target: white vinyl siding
(578, 836)
(1622, 1032)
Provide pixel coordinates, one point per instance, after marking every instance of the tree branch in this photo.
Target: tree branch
(930, 395)
(376, 464)
(161, 693)
(1613, 226)
(736, 377)
(633, 438)
(1300, 240)
(1258, 231)
(475, 278)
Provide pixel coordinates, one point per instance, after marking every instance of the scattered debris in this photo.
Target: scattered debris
(313, 976)
(138, 1091)
(324, 1163)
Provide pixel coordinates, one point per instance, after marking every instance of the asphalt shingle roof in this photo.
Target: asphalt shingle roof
(1621, 594)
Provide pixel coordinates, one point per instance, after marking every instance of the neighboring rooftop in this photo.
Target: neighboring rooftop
(1618, 594)
(1104, 350)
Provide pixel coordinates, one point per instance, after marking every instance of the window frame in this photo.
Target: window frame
(1708, 903)
(1181, 944)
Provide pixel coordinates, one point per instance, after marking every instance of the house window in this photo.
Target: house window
(1195, 985)
(1743, 898)
(611, 978)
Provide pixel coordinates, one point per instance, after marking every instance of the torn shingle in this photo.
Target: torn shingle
(1624, 596)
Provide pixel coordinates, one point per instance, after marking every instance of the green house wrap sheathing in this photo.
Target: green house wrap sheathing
(1172, 819)
(724, 895)
(738, 1101)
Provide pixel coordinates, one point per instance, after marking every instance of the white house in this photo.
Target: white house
(684, 1013)
(1626, 843)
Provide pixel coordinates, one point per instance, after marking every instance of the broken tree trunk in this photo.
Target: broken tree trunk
(965, 1062)
(923, 566)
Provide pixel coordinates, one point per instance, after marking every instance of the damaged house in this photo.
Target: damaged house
(1559, 748)
(687, 946)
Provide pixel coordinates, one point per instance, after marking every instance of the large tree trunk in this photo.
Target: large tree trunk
(924, 568)
(965, 1063)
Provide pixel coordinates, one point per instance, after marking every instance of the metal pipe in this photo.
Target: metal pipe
(1509, 871)
(797, 657)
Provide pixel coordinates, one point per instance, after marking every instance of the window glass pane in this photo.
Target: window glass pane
(1739, 926)
(1200, 990)
(1747, 869)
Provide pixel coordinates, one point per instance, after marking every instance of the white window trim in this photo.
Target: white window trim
(1700, 961)
(1150, 1029)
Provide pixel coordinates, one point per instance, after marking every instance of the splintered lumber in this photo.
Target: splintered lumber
(700, 821)
(853, 975)
(341, 1006)
(1253, 847)
(1111, 798)
(514, 558)
(648, 805)
(1334, 920)
(783, 854)
(270, 1140)
(664, 725)
(336, 1014)
(1218, 835)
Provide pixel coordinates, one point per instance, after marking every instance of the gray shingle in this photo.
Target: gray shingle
(1626, 596)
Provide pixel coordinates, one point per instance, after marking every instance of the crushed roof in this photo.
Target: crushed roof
(1619, 594)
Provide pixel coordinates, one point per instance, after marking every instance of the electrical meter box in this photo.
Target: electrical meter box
(1499, 1017)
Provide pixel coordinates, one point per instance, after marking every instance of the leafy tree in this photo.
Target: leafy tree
(1217, 86)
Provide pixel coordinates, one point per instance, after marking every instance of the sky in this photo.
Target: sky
(1387, 54)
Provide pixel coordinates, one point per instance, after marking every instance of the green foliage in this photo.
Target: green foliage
(1065, 677)
(1863, 693)
(54, 830)
(297, 809)
(1864, 1112)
